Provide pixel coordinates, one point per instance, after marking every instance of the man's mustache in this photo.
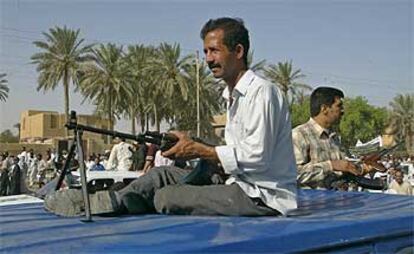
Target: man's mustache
(211, 66)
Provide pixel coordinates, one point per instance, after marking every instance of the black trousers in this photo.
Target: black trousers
(14, 181)
(4, 182)
(159, 191)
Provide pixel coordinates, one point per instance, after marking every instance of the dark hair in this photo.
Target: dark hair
(234, 33)
(323, 96)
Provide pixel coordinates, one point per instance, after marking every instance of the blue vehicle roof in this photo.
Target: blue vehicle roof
(326, 221)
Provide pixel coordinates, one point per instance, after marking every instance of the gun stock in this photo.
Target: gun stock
(372, 159)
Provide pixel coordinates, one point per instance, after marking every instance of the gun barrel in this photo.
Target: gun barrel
(73, 125)
(388, 150)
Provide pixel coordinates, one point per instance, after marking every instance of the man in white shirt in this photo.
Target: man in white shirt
(258, 155)
(37, 171)
(399, 186)
(120, 157)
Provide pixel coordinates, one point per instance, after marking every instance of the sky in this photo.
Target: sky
(364, 47)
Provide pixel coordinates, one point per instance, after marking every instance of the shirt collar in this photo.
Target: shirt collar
(242, 85)
(319, 129)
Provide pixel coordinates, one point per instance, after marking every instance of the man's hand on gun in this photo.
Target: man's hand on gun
(184, 148)
(188, 148)
(355, 168)
(347, 166)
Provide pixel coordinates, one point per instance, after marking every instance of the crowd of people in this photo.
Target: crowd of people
(28, 171)
(25, 171)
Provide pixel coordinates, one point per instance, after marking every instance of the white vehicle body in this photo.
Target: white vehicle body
(19, 199)
(117, 176)
(103, 180)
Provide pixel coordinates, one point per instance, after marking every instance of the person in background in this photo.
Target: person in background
(399, 186)
(150, 157)
(37, 171)
(90, 162)
(4, 174)
(105, 158)
(120, 157)
(23, 158)
(14, 178)
(139, 152)
(97, 166)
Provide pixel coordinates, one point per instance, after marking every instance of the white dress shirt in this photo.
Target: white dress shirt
(120, 157)
(258, 153)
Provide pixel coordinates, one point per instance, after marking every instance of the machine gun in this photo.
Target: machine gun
(164, 140)
(370, 159)
(373, 158)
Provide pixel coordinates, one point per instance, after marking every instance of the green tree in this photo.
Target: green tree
(361, 121)
(402, 113)
(8, 137)
(62, 55)
(166, 71)
(300, 112)
(4, 89)
(284, 76)
(137, 61)
(210, 100)
(104, 80)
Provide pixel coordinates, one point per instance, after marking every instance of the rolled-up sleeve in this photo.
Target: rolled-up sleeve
(228, 159)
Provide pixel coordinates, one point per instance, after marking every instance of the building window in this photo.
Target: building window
(53, 122)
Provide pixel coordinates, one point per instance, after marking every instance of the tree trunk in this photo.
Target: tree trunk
(111, 123)
(156, 120)
(66, 98)
(147, 121)
(409, 141)
(133, 116)
(285, 91)
(142, 119)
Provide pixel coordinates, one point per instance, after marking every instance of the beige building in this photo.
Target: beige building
(48, 127)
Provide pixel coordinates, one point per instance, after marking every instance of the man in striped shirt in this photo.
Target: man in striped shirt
(317, 147)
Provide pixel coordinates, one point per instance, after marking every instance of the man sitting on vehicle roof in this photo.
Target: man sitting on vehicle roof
(258, 155)
(319, 154)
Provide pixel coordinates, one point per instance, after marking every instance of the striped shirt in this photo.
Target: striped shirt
(315, 148)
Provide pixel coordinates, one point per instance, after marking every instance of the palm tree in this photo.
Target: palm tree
(403, 115)
(210, 101)
(4, 89)
(104, 80)
(60, 60)
(137, 61)
(301, 95)
(285, 77)
(166, 70)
